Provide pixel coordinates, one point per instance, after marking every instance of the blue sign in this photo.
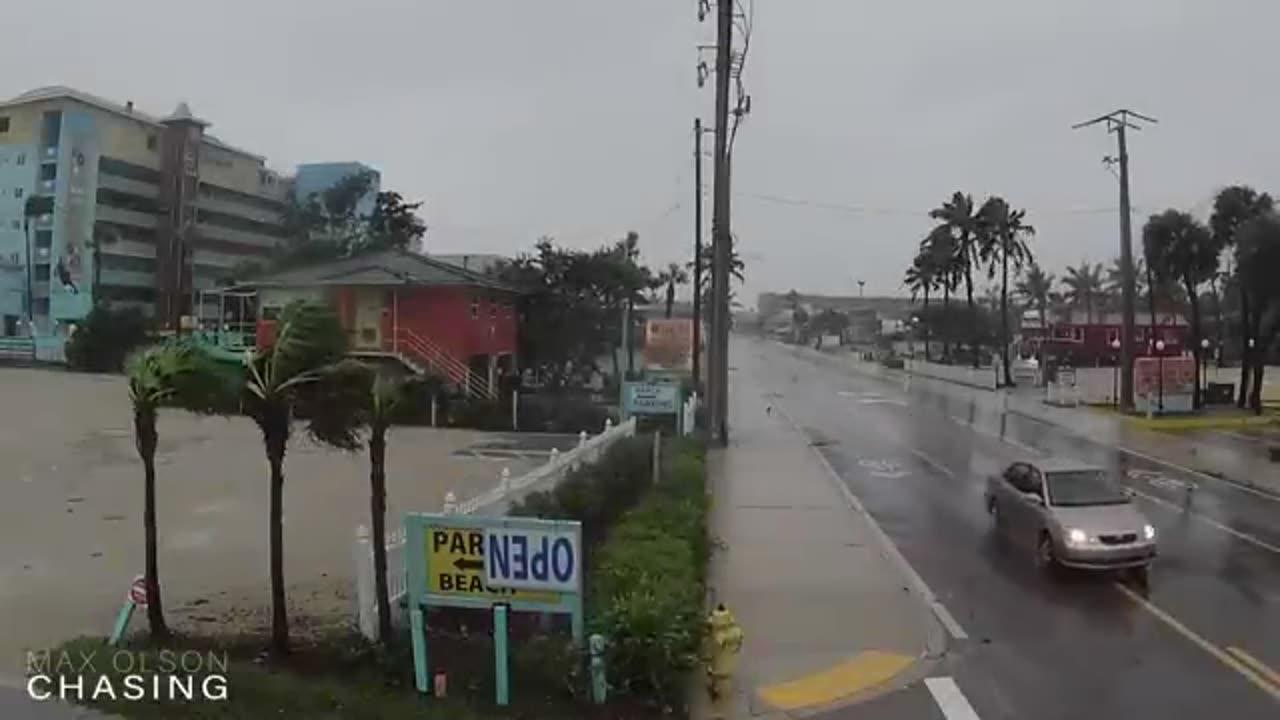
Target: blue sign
(650, 398)
(532, 559)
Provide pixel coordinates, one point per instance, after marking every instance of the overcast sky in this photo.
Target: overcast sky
(513, 119)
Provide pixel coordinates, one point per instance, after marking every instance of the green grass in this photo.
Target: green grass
(1220, 421)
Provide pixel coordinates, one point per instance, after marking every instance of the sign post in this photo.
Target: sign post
(500, 564)
(137, 596)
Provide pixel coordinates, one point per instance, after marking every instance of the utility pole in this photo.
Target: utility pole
(719, 384)
(697, 253)
(1117, 122)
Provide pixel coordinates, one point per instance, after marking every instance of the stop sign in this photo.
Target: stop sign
(138, 590)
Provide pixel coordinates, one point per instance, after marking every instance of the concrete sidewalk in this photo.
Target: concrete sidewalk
(829, 612)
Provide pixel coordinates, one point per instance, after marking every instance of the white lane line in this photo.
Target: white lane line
(933, 463)
(921, 587)
(994, 436)
(1197, 473)
(950, 700)
(1210, 521)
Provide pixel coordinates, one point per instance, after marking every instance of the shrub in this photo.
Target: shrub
(105, 338)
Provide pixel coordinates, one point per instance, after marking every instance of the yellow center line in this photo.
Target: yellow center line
(1252, 674)
(1258, 666)
(866, 670)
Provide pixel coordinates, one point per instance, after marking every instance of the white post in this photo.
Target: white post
(450, 503)
(657, 456)
(433, 410)
(365, 603)
(582, 438)
(555, 456)
(515, 410)
(608, 424)
(504, 481)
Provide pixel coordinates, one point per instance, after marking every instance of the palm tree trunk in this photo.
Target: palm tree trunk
(144, 428)
(946, 335)
(378, 510)
(279, 612)
(1004, 314)
(671, 297)
(1258, 355)
(973, 315)
(1245, 358)
(926, 323)
(1196, 399)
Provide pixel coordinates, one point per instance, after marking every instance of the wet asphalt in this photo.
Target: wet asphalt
(1074, 645)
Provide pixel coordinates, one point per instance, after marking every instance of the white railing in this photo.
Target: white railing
(689, 414)
(494, 500)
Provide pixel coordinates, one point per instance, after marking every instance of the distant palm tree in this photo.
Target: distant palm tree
(1083, 287)
(172, 375)
(1188, 253)
(920, 280)
(958, 216)
(940, 247)
(1004, 233)
(1233, 208)
(1036, 288)
(301, 375)
(671, 277)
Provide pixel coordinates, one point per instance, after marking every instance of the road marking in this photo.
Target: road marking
(1249, 673)
(1176, 466)
(882, 468)
(895, 555)
(824, 687)
(950, 700)
(933, 463)
(1256, 665)
(1210, 521)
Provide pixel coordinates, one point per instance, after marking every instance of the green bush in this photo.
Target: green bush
(105, 338)
(647, 584)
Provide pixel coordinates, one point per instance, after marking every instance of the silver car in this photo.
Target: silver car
(1073, 515)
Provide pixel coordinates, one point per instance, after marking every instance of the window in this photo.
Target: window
(22, 159)
(17, 192)
(44, 238)
(48, 172)
(1023, 478)
(42, 273)
(493, 309)
(1077, 334)
(152, 141)
(4, 123)
(475, 308)
(120, 168)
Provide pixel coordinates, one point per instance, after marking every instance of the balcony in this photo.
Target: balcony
(125, 185)
(244, 210)
(108, 213)
(217, 232)
(128, 278)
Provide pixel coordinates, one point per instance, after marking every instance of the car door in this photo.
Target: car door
(1032, 505)
(1022, 506)
(1008, 498)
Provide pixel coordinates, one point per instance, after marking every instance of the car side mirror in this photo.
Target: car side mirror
(1035, 498)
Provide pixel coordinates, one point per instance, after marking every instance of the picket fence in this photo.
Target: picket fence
(493, 501)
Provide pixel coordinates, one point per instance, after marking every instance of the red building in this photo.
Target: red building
(429, 315)
(1085, 340)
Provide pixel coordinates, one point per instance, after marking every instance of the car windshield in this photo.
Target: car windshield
(1083, 487)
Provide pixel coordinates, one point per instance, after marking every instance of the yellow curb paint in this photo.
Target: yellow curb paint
(864, 671)
(1258, 666)
(1249, 673)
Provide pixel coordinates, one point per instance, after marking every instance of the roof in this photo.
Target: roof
(387, 268)
(1060, 464)
(181, 112)
(479, 262)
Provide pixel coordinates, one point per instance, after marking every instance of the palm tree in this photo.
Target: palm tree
(920, 279)
(299, 376)
(1232, 208)
(381, 399)
(1083, 286)
(940, 246)
(1188, 254)
(179, 375)
(671, 277)
(958, 217)
(1036, 288)
(1007, 233)
(1258, 253)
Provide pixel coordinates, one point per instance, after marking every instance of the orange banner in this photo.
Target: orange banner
(1179, 375)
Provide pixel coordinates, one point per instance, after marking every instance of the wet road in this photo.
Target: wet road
(1203, 641)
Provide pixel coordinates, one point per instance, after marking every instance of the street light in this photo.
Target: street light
(1115, 374)
(1204, 367)
(1160, 375)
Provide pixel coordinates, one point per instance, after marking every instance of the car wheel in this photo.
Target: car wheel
(1142, 576)
(1044, 554)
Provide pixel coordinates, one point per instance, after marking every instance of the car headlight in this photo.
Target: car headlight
(1148, 532)
(1076, 536)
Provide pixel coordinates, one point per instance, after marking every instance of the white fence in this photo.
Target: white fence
(492, 501)
(983, 377)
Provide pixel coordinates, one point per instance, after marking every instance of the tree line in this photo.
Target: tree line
(1218, 275)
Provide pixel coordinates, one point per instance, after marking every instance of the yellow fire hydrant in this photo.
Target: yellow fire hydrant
(724, 644)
